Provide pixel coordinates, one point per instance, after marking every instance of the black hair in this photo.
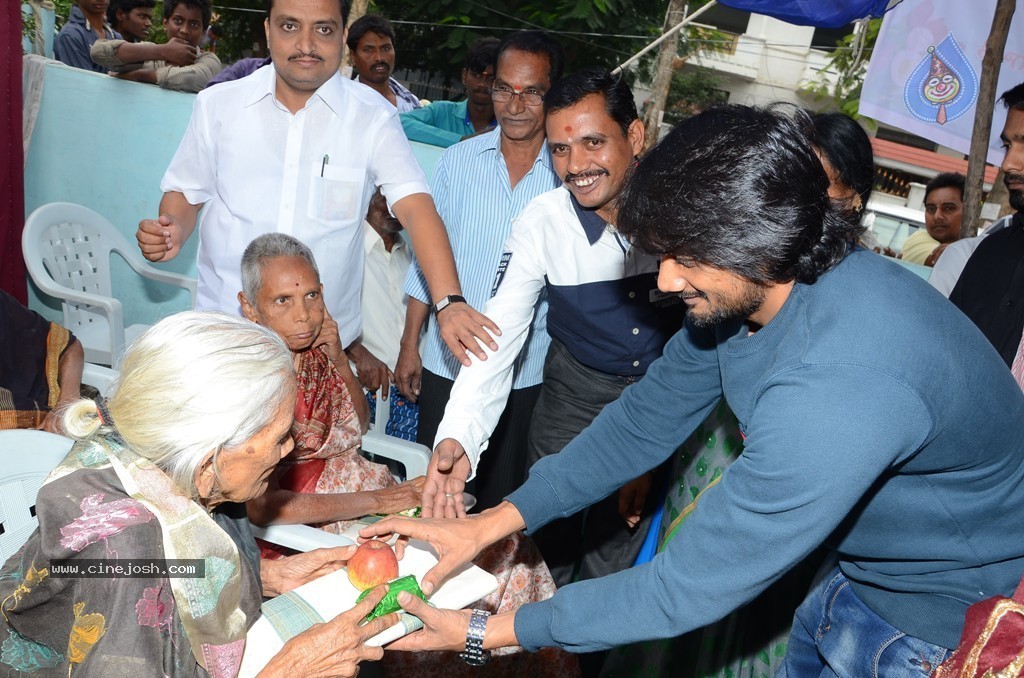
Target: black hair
(740, 189)
(202, 5)
(344, 5)
(127, 6)
(481, 54)
(1014, 97)
(847, 147)
(618, 97)
(946, 180)
(365, 24)
(537, 42)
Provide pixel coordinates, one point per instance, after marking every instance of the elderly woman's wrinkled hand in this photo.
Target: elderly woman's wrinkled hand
(284, 574)
(334, 648)
(330, 339)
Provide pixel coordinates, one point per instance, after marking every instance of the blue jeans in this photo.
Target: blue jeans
(835, 634)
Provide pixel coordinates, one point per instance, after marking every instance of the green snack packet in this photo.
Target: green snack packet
(389, 603)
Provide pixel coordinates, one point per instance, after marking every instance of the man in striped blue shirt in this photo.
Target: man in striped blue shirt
(479, 186)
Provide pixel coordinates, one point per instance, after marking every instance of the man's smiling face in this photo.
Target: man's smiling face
(591, 153)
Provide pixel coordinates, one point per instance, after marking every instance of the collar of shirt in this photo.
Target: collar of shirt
(264, 84)
(593, 225)
(469, 123)
(400, 91)
(78, 17)
(372, 240)
(403, 92)
(493, 144)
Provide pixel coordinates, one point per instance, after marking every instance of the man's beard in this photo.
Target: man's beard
(743, 306)
(1017, 200)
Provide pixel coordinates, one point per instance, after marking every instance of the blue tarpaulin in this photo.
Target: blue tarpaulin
(823, 13)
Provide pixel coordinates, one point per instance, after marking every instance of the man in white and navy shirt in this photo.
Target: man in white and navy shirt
(480, 185)
(606, 318)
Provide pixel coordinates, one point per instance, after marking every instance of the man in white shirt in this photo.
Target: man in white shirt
(294, 148)
(384, 301)
(384, 306)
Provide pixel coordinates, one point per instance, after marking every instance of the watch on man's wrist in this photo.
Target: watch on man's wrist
(448, 301)
(475, 654)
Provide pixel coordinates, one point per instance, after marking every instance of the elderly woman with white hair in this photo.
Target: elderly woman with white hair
(199, 418)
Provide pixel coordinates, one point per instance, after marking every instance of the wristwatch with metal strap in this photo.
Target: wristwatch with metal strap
(475, 654)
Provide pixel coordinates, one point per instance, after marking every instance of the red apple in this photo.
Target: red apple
(374, 563)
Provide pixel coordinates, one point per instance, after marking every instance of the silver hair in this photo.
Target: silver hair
(264, 248)
(194, 383)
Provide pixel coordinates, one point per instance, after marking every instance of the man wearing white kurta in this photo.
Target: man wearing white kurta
(296, 149)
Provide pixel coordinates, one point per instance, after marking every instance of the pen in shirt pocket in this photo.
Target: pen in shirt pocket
(323, 165)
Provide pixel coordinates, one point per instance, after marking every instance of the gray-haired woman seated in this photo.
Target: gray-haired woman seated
(200, 417)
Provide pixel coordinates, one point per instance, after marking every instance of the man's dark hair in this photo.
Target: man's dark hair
(365, 24)
(537, 42)
(1014, 97)
(344, 6)
(740, 189)
(482, 54)
(946, 180)
(847, 147)
(202, 5)
(570, 90)
(126, 6)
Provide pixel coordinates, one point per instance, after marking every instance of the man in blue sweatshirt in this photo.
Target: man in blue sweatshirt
(878, 421)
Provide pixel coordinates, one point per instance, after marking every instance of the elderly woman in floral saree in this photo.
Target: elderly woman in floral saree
(200, 416)
(326, 482)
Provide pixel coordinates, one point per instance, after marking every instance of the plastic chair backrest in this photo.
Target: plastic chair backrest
(28, 457)
(74, 243)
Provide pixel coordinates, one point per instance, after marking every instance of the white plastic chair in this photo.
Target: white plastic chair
(67, 251)
(28, 457)
(413, 456)
(99, 377)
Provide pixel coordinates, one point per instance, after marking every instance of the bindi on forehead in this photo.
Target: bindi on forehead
(568, 129)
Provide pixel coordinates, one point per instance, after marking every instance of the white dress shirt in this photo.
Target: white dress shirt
(260, 169)
(384, 301)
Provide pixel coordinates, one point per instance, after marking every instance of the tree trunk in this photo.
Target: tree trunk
(663, 77)
(976, 160)
(357, 9)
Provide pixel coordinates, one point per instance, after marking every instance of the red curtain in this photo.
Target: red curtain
(12, 178)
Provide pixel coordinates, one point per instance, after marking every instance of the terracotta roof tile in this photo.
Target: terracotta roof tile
(922, 158)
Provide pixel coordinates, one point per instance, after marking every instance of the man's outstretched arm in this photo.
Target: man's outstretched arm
(462, 328)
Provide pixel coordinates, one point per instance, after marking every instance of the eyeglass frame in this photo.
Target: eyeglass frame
(507, 94)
